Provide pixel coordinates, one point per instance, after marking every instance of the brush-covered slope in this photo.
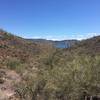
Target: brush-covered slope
(13, 46)
(66, 74)
(38, 71)
(89, 46)
(18, 58)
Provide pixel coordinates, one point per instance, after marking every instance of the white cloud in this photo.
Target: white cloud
(74, 36)
(78, 36)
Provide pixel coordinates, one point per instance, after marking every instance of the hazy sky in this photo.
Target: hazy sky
(51, 19)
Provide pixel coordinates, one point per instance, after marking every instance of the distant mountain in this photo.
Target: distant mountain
(57, 44)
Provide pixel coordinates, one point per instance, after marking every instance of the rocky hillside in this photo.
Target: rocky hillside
(13, 46)
(17, 57)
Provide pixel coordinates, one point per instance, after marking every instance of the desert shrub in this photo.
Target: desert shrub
(62, 79)
(12, 63)
(27, 90)
(16, 64)
(70, 79)
(8, 36)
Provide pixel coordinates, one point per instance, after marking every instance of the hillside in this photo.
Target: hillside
(39, 71)
(89, 46)
(17, 56)
(20, 48)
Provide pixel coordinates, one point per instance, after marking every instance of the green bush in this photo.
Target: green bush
(13, 63)
(17, 65)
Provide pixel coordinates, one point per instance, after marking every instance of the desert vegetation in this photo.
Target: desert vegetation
(48, 73)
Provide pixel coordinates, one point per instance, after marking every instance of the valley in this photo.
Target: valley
(48, 70)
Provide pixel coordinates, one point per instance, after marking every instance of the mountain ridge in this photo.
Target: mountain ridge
(56, 43)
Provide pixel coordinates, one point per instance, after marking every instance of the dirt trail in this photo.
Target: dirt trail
(7, 86)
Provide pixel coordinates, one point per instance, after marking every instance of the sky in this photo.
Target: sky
(51, 19)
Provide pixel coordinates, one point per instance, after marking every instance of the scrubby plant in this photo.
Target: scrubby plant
(15, 64)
